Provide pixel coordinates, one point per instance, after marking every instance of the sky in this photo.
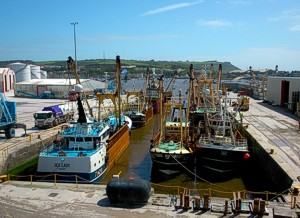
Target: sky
(257, 33)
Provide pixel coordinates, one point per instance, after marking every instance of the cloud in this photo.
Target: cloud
(293, 14)
(131, 38)
(239, 2)
(292, 17)
(214, 23)
(295, 28)
(171, 7)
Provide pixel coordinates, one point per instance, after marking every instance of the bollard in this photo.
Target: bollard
(181, 199)
(294, 203)
(238, 205)
(262, 205)
(30, 138)
(186, 202)
(226, 207)
(197, 203)
(255, 205)
(39, 136)
(205, 203)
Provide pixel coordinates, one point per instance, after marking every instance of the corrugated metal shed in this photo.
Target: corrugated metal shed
(275, 90)
(60, 87)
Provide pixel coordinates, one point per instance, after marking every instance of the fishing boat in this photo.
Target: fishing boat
(170, 149)
(137, 109)
(204, 101)
(152, 94)
(223, 150)
(86, 149)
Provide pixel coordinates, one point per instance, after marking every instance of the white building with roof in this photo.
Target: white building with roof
(283, 90)
(59, 87)
(7, 79)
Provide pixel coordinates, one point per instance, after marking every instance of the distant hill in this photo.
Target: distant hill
(97, 67)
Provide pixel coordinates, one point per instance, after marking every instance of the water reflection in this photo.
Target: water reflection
(136, 162)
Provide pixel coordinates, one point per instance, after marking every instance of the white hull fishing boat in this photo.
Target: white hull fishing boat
(86, 150)
(79, 153)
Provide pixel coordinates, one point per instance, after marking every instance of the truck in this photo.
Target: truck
(8, 118)
(54, 115)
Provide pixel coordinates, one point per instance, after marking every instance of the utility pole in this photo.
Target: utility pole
(74, 24)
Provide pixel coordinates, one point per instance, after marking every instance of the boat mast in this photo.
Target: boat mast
(118, 65)
(219, 77)
(160, 79)
(71, 65)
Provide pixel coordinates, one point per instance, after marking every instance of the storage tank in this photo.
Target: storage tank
(22, 71)
(35, 72)
(43, 74)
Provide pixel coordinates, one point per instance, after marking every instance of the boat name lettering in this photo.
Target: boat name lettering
(62, 165)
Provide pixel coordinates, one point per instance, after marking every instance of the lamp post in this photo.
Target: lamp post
(74, 24)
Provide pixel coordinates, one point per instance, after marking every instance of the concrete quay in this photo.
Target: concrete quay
(275, 136)
(23, 199)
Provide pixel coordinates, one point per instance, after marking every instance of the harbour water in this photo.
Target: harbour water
(136, 163)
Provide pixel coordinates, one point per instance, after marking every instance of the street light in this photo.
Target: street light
(74, 24)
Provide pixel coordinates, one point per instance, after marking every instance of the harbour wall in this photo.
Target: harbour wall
(277, 176)
(28, 150)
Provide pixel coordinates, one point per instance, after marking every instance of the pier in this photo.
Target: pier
(274, 136)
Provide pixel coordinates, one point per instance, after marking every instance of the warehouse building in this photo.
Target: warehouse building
(284, 91)
(59, 87)
(7, 79)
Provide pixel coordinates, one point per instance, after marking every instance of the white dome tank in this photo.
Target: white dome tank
(78, 88)
(22, 71)
(35, 72)
(43, 74)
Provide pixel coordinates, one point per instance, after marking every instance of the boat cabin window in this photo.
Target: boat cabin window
(88, 139)
(80, 139)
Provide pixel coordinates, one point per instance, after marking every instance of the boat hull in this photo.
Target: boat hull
(140, 120)
(70, 177)
(221, 161)
(170, 164)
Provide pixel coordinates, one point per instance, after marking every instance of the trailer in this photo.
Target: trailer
(8, 118)
(54, 115)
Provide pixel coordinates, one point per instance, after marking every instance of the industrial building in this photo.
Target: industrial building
(7, 79)
(59, 87)
(284, 91)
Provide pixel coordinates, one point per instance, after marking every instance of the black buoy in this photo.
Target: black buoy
(132, 191)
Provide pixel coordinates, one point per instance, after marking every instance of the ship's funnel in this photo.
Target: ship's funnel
(81, 114)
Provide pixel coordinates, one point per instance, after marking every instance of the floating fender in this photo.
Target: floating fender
(133, 191)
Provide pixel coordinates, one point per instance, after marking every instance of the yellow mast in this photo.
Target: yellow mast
(161, 106)
(71, 64)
